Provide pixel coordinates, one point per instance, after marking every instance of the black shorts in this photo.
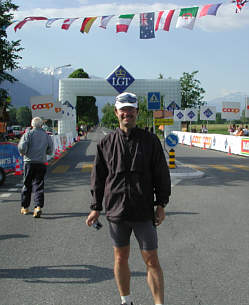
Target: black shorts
(145, 233)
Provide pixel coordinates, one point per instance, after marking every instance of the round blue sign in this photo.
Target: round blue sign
(172, 140)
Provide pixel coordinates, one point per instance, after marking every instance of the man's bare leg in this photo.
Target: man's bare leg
(154, 275)
(121, 269)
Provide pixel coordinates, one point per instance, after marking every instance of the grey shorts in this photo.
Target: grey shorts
(145, 233)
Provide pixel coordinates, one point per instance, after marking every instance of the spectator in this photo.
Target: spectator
(34, 145)
(246, 131)
(239, 132)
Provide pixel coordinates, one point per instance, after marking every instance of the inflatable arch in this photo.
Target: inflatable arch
(70, 88)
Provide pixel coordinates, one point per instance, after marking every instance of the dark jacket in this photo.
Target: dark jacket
(128, 171)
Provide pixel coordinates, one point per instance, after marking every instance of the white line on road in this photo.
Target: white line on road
(5, 195)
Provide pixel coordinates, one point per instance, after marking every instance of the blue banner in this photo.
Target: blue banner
(8, 155)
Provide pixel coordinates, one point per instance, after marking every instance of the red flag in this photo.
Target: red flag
(67, 22)
(21, 23)
(164, 19)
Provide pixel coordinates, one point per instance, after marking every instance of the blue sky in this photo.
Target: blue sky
(218, 47)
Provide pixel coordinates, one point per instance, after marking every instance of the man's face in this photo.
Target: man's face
(127, 116)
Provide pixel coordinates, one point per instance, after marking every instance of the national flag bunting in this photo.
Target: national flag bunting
(21, 23)
(239, 4)
(105, 20)
(147, 25)
(164, 19)
(187, 18)
(87, 23)
(51, 21)
(67, 22)
(209, 9)
(124, 22)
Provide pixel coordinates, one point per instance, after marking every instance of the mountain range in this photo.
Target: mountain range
(33, 81)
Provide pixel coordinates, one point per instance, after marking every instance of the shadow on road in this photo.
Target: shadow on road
(9, 236)
(181, 213)
(68, 274)
(62, 215)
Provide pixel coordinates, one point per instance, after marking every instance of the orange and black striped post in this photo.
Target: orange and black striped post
(172, 163)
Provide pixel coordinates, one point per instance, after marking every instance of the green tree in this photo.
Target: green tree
(219, 120)
(191, 91)
(8, 49)
(145, 116)
(86, 109)
(24, 116)
(12, 116)
(109, 118)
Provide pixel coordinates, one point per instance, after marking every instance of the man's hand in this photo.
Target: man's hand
(159, 215)
(92, 217)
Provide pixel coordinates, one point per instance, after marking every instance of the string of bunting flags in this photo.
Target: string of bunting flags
(149, 22)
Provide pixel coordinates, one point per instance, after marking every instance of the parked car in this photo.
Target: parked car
(17, 130)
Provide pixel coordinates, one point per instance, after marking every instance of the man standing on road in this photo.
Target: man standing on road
(130, 167)
(34, 145)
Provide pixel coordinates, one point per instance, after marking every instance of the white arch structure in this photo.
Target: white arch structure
(70, 88)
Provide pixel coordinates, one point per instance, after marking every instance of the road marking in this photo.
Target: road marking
(176, 181)
(87, 167)
(5, 195)
(12, 190)
(79, 165)
(222, 168)
(244, 167)
(195, 166)
(60, 169)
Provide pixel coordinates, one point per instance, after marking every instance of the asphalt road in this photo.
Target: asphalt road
(58, 260)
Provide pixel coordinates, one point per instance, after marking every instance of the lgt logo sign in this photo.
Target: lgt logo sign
(120, 79)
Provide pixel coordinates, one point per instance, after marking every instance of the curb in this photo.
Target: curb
(190, 173)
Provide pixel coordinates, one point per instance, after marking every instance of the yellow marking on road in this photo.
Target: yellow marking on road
(222, 168)
(244, 167)
(87, 167)
(60, 169)
(195, 166)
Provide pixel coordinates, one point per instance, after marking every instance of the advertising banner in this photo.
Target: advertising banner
(225, 143)
(208, 113)
(8, 155)
(45, 108)
(247, 107)
(230, 111)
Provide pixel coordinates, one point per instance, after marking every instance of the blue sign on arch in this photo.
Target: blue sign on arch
(154, 101)
(120, 79)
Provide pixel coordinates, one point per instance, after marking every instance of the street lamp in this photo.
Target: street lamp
(52, 74)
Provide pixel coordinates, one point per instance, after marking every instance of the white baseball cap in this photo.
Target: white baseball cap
(126, 99)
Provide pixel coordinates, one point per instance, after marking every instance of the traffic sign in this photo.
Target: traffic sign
(172, 140)
(154, 101)
(164, 121)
